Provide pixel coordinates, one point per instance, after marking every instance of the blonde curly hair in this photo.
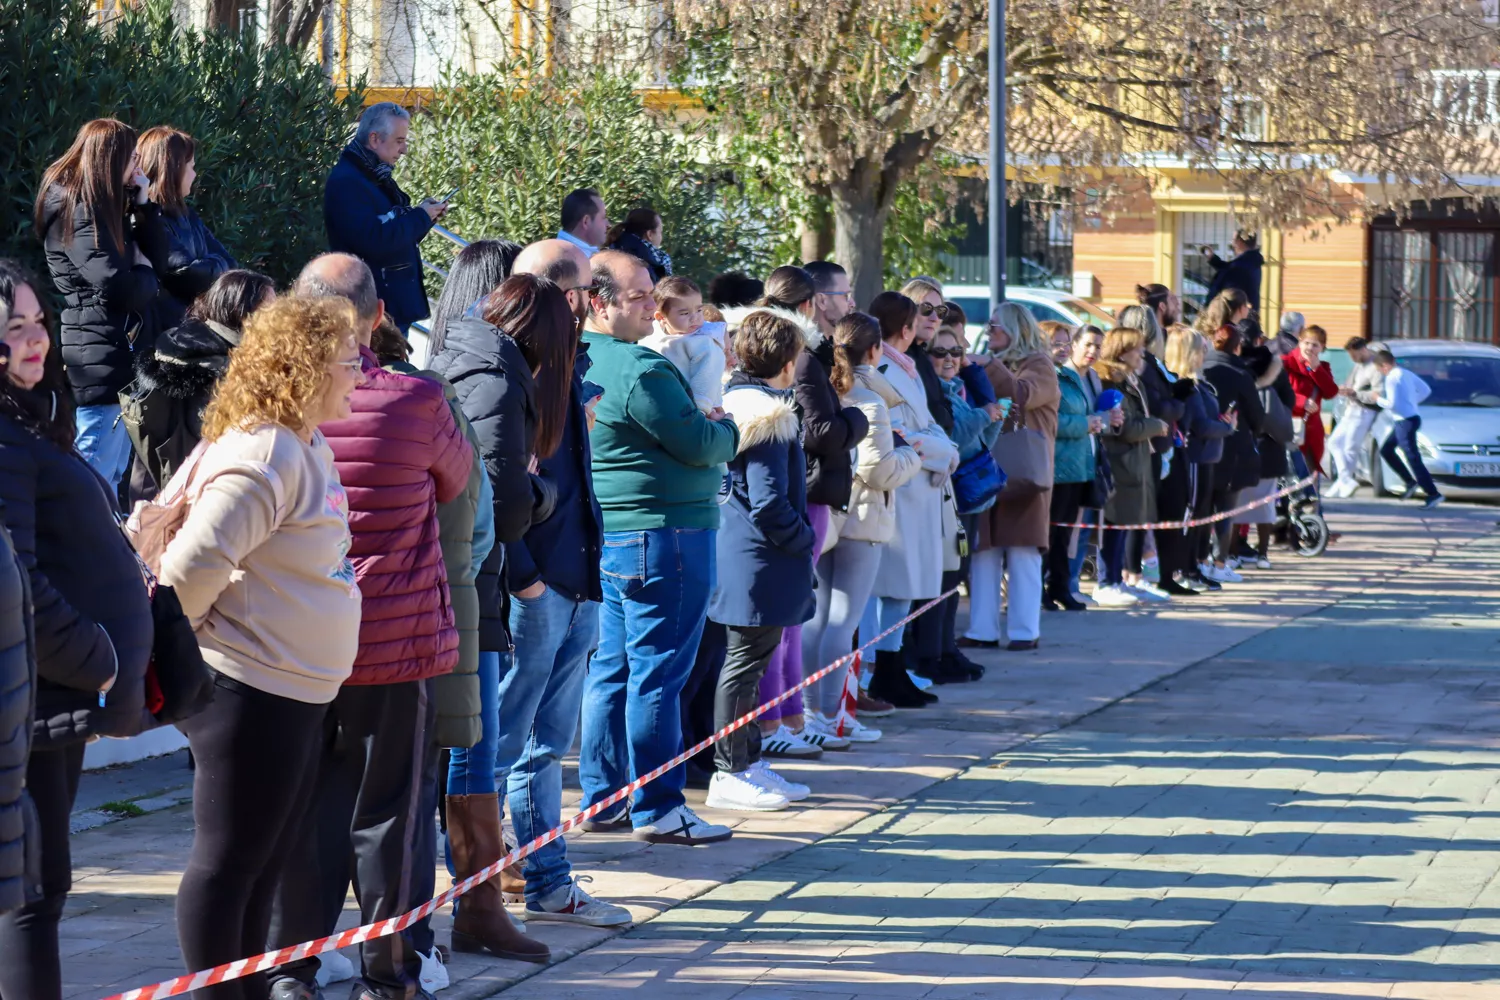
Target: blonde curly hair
(280, 368)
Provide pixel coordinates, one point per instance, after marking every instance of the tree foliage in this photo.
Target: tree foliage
(1270, 96)
(268, 124)
(518, 149)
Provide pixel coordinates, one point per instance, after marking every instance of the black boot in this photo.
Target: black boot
(890, 683)
(956, 660)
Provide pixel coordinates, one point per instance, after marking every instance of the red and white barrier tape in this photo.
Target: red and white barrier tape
(1195, 522)
(382, 928)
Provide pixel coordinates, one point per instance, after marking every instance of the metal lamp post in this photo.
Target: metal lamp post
(997, 206)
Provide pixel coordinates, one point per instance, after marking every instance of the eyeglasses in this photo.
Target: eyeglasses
(353, 366)
(928, 309)
(946, 352)
(843, 295)
(590, 290)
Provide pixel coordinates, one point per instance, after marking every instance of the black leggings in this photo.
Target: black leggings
(1067, 500)
(1173, 545)
(29, 965)
(256, 757)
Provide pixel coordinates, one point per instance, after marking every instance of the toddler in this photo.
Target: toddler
(683, 337)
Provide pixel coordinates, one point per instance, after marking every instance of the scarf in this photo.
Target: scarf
(378, 170)
(903, 362)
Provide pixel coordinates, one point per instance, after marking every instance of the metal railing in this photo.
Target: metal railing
(457, 241)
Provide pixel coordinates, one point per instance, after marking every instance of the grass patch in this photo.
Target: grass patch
(124, 809)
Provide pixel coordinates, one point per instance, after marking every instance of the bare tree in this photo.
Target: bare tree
(1277, 99)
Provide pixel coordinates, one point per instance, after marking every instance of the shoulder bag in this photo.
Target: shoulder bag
(1023, 454)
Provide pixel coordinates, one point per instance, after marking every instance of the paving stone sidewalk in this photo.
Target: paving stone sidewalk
(1118, 780)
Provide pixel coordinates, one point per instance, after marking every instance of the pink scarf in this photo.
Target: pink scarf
(901, 360)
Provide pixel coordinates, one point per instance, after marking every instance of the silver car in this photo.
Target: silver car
(1460, 435)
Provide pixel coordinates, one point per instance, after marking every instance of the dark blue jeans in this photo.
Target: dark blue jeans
(1404, 436)
(656, 590)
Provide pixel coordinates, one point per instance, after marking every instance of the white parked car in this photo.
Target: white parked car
(1043, 303)
(1460, 434)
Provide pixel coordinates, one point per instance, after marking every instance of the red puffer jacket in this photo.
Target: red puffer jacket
(399, 455)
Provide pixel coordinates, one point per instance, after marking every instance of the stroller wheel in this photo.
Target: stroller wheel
(1309, 534)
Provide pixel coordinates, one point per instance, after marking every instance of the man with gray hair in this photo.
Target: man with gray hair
(1292, 325)
(369, 216)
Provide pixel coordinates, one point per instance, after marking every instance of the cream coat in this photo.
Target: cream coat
(911, 564)
(880, 466)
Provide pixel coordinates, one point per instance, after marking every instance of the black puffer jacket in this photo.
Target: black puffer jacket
(163, 408)
(829, 431)
(1240, 466)
(105, 295)
(19, 844)
(496, 392)
(1164, 404)
(93, 619)
(187, 259)
(937, 398)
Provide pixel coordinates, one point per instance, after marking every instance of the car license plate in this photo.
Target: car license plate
(1479, 468)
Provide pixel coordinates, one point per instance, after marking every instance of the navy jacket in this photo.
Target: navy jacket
(187, 259)
(377, 223)
(1243, 273)
(765, 541)
(563, 551)
(1240, 466)
(1201, 425)
(92, 616)
(19, 839)
(497, 394)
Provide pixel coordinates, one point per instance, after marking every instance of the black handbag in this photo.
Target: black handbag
(179, 684)
(1096, 494)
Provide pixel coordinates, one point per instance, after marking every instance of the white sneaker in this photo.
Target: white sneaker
(760, 772)
(682, 826)
(1190, 582)
(922, 683)
(1261, 562)
(785, 743)
(1151, 591)
(1115, 596)
(821, 734)
(570, 904)
(858, 732)
(743, 793)
(334, 967)
(1222, 574)
(434, 974)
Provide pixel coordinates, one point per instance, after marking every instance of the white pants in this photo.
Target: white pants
(1346, 440)
(1024, 608)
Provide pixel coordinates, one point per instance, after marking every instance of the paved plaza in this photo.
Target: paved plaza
(1289, 790)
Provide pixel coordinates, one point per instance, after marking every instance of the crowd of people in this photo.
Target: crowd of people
(608, 505)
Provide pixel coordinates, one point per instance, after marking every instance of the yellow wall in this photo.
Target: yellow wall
(1318, 271)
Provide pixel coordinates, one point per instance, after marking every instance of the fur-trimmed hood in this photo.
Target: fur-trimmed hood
(812, 337)
(186, 360)
(761, 413)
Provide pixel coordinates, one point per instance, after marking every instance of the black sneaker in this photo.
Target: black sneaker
(288, 988)
(1433, 501)
(609, 821)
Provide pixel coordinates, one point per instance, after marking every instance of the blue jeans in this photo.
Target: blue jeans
(1075, 564)
(539, 699)
(103, 441)
(880, 614)
(1413, 471)
(471, 770)
(656, 591)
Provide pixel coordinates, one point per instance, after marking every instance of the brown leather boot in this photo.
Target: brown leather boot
(512, 882)
(481, 923)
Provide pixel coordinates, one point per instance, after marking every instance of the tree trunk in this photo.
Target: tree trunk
(859, 239)
(817, 232)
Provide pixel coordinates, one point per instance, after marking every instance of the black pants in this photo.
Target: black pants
(1221, 498)
(29, 966)
(1067, 502)
(1413, 471)
(1173, 497)
(923, 639)
(696, 703)
(254, 778)
(745, 661)
(1203, 505)
(372, 822)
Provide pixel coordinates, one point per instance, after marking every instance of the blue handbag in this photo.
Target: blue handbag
(976, 483)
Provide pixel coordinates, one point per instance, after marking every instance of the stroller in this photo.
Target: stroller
(1299, 519)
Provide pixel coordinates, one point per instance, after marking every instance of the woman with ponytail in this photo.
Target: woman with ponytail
(846, 572)
(640, 236)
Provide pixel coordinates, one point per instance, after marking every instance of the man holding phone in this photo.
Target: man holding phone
(369, 216)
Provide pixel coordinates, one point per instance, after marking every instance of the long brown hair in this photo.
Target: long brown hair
(854, 337)
(1220, 312)
(534, 313)
(788, 287)
(92, 171)
(56, 425)
(894, 312)
(165, 155)
(639, 222)
(1117, 343)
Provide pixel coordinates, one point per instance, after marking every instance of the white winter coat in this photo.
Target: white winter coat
(880, 465)
(911, 564)
(699, 356)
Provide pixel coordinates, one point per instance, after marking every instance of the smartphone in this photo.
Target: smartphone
(591, 392)
(447, 199)
(1231, 408)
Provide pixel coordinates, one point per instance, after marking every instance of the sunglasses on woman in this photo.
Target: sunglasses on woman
(946, 352)
(927, 309)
